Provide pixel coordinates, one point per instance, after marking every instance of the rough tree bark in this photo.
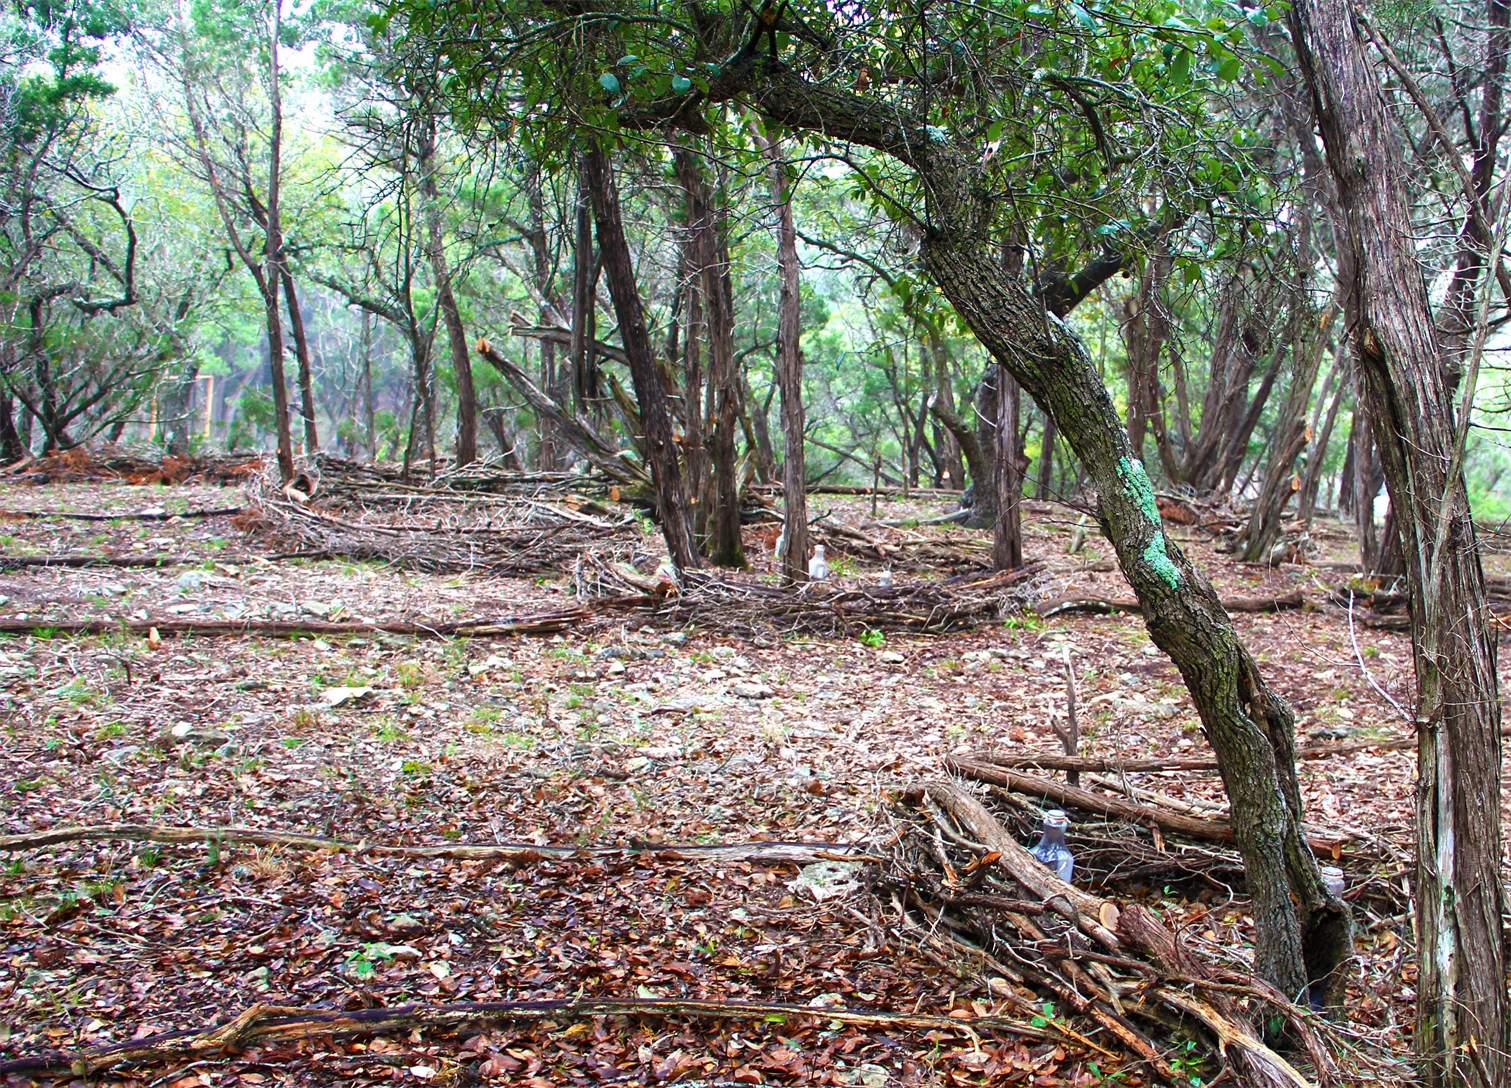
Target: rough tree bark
(789, 373)
(711, 265)
(1462, 1000)
(661, 450)
(1007, 526)
(302, 358)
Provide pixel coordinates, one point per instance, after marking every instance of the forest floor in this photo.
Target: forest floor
(618, 731)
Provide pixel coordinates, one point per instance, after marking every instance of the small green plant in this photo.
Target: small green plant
(1023, 621)
(873, 638)
(361, 962)
(388, 729)
(409, 674)
(1187, 1064)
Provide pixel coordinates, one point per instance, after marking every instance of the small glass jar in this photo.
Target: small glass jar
(1332, 880)
(1051, 848)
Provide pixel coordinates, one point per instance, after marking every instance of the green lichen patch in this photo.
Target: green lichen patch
(1136, 483)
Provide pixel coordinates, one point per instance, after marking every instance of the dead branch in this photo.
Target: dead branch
(145, 516)
(1109, 605)
(1123, 809)
(796, 853)
(1054, 761)
(267, 1023)
(598, 449)
(542, 624)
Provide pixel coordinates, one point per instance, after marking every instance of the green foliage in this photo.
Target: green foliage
(254, 418)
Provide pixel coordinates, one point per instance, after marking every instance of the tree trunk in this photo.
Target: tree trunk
(1144, 334)
(753, 418)
(586, 394)
(11, 447)
(706, 229)
(366, 349)
(302, 356)
(550, 305)
(1311, 482)
(660, 445)
(1291, 435)
(1462, 999)
(269, 280)
(177, 392)
(1044, 486)
(789, 373)
(1007, 527)
(451, 315)
(978, 469)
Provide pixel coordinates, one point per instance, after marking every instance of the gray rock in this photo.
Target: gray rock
(751, 690)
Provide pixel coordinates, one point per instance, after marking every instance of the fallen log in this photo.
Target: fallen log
(542, 624)
(1055, 761)
(1118, 807)
(1109, 605)
(155, 515)
(18, 562)
(268, 1023)
(790, 853)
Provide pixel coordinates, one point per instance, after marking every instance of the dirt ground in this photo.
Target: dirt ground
(618, 732)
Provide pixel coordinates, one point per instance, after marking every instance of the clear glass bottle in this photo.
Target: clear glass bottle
(1051, 848)
(1332, 880)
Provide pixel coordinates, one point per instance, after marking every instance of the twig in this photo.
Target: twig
(1359, 657)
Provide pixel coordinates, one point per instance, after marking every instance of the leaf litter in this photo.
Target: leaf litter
(619, 732)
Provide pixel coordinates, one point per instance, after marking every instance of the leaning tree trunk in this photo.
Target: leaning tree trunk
(660, 447)
(1300, 939)
(1461, 990)
(1291, 433)
(978, 466)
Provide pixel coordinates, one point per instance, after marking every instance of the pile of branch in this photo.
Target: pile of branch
(961, 553)
(427, 529)
(745, 606)
(95, 462)
(1111, 969)
(372, 484)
